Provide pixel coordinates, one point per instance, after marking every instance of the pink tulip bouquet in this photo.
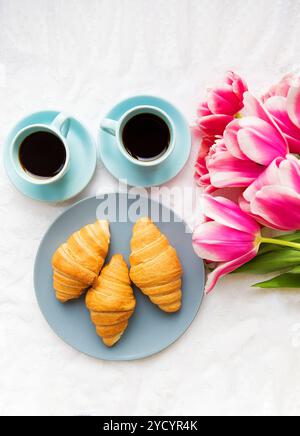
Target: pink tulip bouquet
(251, 144)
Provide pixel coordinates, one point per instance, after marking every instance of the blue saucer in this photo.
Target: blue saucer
(83, 159)
(121, 168)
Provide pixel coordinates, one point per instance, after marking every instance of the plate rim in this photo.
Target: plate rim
(130, 358)
(132, 97)
(5, 162)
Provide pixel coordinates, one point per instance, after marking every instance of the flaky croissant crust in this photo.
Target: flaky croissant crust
(155, 266)
(77, 263)
(111, 301)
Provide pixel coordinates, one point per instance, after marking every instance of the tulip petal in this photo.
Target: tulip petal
(268, 177)
(280, 89)
(260, 142)
(254, 108)
(226, 268)
(279, 206)
(231, 140)
(203, 109)
(203, 180)
(209, 189)
(239, 86)
(244, 204)
(201, 172)
(214, 125)
(277, 107)
(196, 134)
(204, 149)
(228, 213)
(227, 171)
(289, 173)
(223, 101)
(220, 243)
(293, 104)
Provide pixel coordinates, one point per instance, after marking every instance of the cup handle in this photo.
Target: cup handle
(109, 126)
(62, 124)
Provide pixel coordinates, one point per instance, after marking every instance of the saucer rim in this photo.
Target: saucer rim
(6, 150)
(142, 96)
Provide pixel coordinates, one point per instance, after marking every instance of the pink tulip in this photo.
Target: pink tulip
(217, 168)
(222, 104)
(255, 137)
(274, 198)
(227, 99)
(281, 89)
(225, 170)
(229, 236)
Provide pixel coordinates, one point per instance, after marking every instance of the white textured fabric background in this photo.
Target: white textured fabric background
(242, 354)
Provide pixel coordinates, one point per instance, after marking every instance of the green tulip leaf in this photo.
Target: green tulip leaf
(280, 260)
(287, 280)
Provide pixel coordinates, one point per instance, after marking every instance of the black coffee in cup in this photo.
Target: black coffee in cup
(146, 137)
(42, 155)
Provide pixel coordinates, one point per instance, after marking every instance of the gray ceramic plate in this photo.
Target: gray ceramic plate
(150, 330)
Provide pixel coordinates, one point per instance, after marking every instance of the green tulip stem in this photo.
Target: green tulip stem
(280, 242)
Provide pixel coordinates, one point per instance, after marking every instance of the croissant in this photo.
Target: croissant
(77, 263)
(155, 266)
(111, 301)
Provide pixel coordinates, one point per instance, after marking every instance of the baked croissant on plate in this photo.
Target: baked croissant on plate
(78, 262)
(155, 266)
(111, 301)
